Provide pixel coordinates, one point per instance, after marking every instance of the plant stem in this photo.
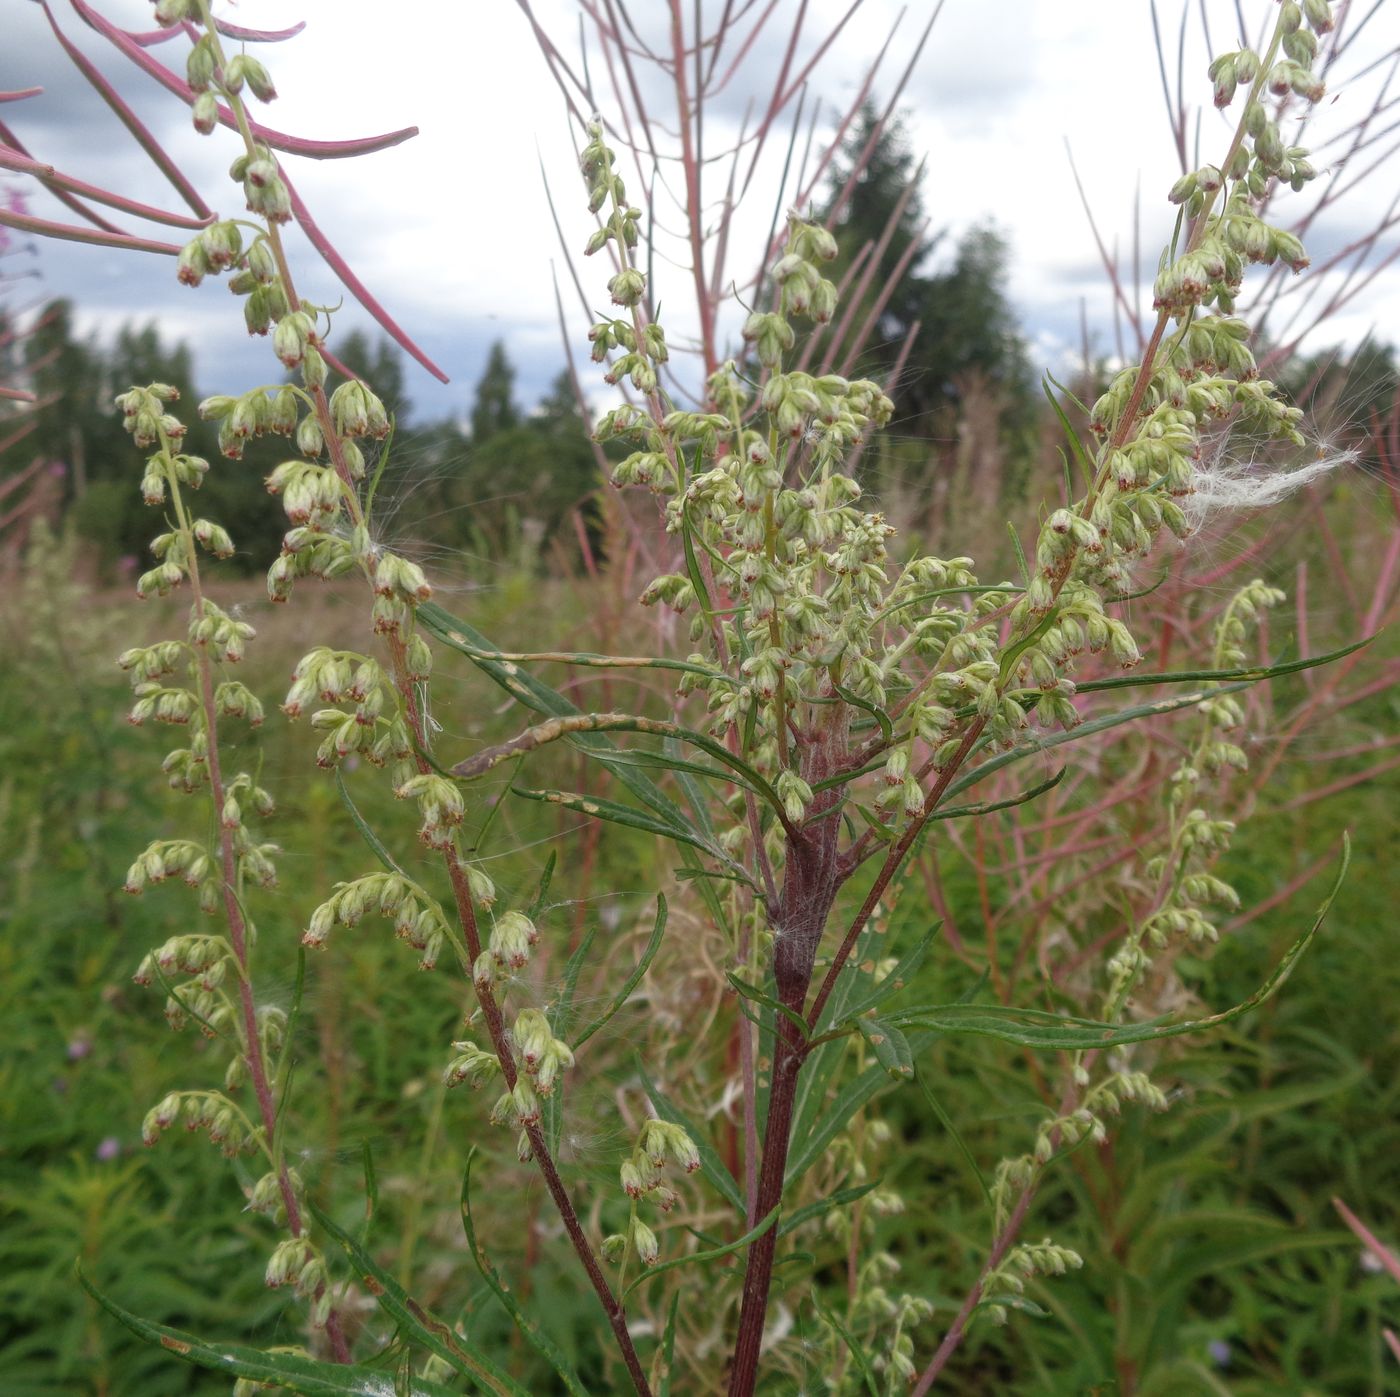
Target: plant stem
(491, 1011)
(233, 910)
(758, 1276)
(958, 1328)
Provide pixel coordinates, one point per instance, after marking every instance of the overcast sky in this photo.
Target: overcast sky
(453, 232)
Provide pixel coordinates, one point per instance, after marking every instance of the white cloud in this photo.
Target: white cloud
(453, 232)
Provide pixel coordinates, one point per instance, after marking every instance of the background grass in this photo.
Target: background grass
(1214, 1262)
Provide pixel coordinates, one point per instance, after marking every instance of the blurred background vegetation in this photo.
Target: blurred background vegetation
(1214, 1262)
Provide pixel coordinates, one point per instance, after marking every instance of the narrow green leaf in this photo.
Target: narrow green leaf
(702, 877)
(711, 1165)
(825, 1059)
(574, 727)
(937, 592)
(692, 567)
(839, 1199)
(662, 1378)
(904, 970)
(987, 807)
(1142, 591)
(589, 659)
(884, 833)
(1020, 553)
(537, 696)
(758, 996)
(417, 1323)
(1036, 1028)
(1251, 674)
(371, 1192)
(562, 1010)
(172, 991)
(542, 889)
(1083, 456)
(560, 1015)
(832, 1119)
(626, 815)
(1013, 1302)
(1047, 741)
(1008, 660)
(853, 1345)
(283, 1369)
(946, 1121)
(890, 1046)
(533, 1334)
(286, 1063)
(653, 945)
(738, 1244)
(796, 1258)
(820, 1122)
(694, 796)
(361, 824)
(379, 465)
(879, 714)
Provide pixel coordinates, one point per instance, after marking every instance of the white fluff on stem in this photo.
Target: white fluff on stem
(1223, 487)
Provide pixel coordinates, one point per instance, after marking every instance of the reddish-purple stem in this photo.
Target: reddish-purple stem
(129, 119)
(277, 140)
(356, 287)
(76, 233)
(12, 158)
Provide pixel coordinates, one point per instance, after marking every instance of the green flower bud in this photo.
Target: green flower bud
(1319, 15)
(192, 265)
(205, 113)
(199, 66)
(627, 287)
(313, 368)
(310, 441)
(258, 79)
(1183, 189)
(644, 1242)
(261, 262)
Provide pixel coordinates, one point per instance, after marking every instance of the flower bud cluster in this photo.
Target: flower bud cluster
(264, 190)
(802, 288)
(540, 1054)
(520, 1106)
(1212, 266)
(619, 226)
(186, 767)
(416, 917)
(266, 1196)
(205, 958)
(209, 1111)
(885, 1316)
(311, 494)
(440, 806)
(643, 1177)
(241, 791)
(1043, 1258)
(643, 1171)
(1197, 838)
(472, 1065)
(513, 936)
(637, 1239)
(342, 676)
(256, 413)
(169, 858)
(297, 1262)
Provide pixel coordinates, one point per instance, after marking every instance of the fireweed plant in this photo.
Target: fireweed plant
(835, 705)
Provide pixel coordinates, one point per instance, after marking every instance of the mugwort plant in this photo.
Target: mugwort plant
(839, 699)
